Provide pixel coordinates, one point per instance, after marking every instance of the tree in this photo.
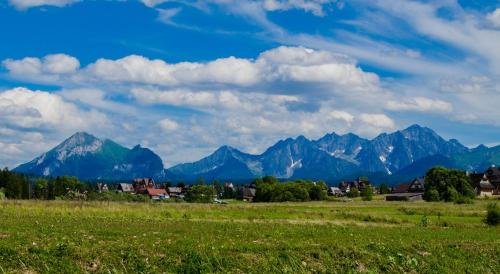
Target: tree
(200, 194)
(41, 188)
(384, 188)
(265, 187)
(228, 193)
(353, 193)
(15, 186)
(432, 195)
(219, 188)
(318, 191)
(200, 181)
(450, 184)
(367, 193)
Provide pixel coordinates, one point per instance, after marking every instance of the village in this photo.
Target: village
(485, 184)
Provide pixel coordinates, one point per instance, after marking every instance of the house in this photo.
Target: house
(493, 175)
(101, 187)
(482, 185)
(344, 187)
(175, 192)
(334, 191)
(157, 193)
(401, 188)
(123, 187)
(360, 183)
(248, 193)
(414, 191)
(404, 197)
(417, 185)
(487, 183)
(142, 184)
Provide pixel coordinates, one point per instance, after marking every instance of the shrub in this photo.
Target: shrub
(200, 194)
(367, 193)
(493, 214)
(464, 200)
(384, 189)
(353, 193)
(432, 195)
(2, 195)
(451, 194)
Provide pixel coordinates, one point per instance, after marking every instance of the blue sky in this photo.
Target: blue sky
(185, 77)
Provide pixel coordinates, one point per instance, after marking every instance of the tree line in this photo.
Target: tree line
(18, 186)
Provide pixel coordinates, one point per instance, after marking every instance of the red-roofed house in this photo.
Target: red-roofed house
(157, 194)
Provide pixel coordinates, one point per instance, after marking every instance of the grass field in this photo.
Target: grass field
(330, 237)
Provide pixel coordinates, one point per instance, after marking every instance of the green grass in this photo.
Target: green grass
(328, 237)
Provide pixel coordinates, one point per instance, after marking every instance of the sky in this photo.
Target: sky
(183, 77)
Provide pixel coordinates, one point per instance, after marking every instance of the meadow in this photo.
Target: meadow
(325, 237)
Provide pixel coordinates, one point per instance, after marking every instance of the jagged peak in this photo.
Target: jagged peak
(301, 138)
(79, 139)
(81, 135)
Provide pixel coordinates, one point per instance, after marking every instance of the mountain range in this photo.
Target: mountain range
(391, 157)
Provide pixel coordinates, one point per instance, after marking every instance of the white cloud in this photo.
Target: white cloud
(26, 4)
(48, 69)
(168, 125)
(313, 6)
(494, 18)
(174, 97)
(96, 98)
(60, 64)
(420, 104)
(380, 121)
(473, 84)
(342, 115)
(153, 3)
(27, 109)
(281, 64)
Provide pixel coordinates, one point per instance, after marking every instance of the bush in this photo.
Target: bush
(2, 195)
(384, 189)
(464, 200)
(432, 195)
(367, 193)
(200, 194)
(451, 194)
(353, 193)
(269, 189)
(493, 214)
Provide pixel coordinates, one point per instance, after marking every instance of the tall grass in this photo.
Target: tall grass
(102, 237)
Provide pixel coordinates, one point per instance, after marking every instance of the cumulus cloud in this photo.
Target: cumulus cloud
(420, 104)
(168, 125)
(48, 69)
(27, 109)
(210, 100)
(494, 18)
(26, 4)
(282, 64)
(380, 121)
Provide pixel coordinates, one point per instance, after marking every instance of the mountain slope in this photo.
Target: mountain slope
(88, 157)
(400, 155)
(409, 151)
